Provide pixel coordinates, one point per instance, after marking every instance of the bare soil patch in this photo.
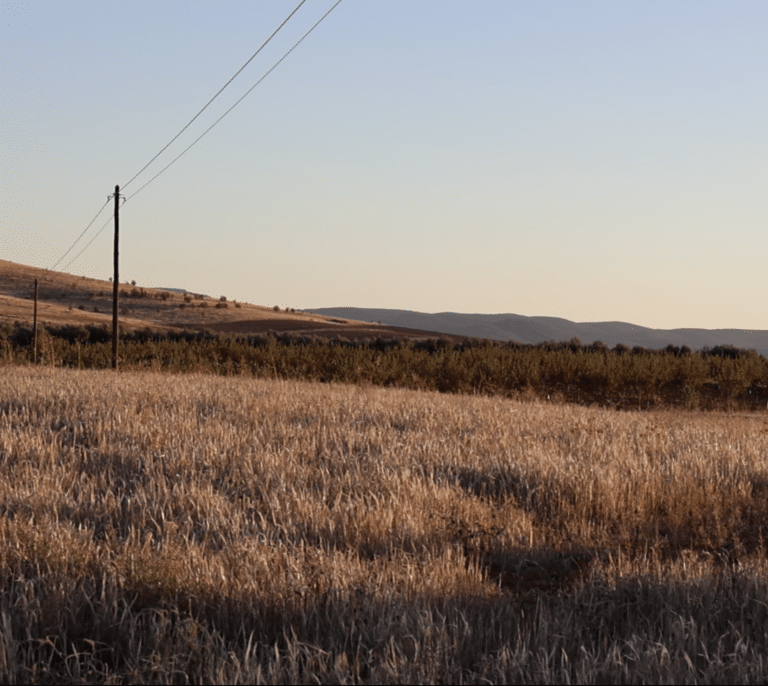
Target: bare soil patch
(322, 328)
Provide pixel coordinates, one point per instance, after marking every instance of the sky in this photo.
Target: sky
(596, 161)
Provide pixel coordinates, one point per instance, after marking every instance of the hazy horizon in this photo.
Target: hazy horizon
(593, 161)
(515, 314)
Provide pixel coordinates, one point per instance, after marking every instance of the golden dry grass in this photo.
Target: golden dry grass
(169, 528)
(61, 297)
(59, 291)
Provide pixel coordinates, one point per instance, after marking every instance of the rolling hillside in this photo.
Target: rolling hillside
(69, 299)
(538, 329)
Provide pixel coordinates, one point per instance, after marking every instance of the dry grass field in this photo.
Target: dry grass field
(189, 528)
(78, 300)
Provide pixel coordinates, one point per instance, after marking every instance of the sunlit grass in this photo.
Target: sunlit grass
(160, 528)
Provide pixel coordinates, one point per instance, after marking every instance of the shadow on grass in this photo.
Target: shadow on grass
(93, 629)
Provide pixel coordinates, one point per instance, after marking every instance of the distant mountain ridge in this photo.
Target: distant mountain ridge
(524, 329)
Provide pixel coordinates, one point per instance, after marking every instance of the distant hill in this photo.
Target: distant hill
(70, 299)
(67, 299)
(539, 329)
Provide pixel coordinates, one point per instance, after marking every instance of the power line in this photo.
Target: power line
(79, 237)
(77, 240)
(274, 66)
(217, 94)
(98, 233)
(238, 102)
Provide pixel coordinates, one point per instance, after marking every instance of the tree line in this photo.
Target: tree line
(623, 377)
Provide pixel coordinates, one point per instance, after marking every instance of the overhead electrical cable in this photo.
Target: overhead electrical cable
(173, 139)
(217, 94)
(87, 244)
(79, 237)
(238, 102)
(190, 122)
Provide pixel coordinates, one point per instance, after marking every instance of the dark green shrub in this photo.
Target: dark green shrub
(589, 374)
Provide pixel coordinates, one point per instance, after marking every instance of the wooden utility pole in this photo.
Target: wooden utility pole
(34, 329)
(116, 284)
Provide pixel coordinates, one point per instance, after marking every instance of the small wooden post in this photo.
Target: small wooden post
(34, 329)
(116, 284)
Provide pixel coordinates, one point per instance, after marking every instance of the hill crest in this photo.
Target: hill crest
(538, 329)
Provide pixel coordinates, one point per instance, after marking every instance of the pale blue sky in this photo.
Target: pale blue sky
(588, 160)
